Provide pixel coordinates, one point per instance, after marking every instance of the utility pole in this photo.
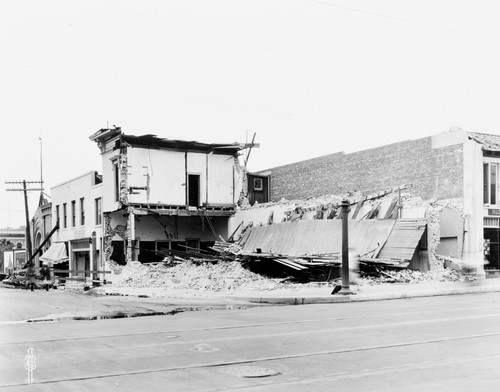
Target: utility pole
(25, 190)
(346, 290)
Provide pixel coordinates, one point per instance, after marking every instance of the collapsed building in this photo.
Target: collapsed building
(155, 196)
(454, 176)
(415, 204)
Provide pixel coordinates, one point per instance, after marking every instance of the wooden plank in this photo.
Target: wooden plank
(373, 212)
(82, 271)
(292, 263)
(358, 207)
(391, 207)
(281, 261)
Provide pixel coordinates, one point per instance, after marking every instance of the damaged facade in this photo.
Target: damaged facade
(456, 173)
(162, 196)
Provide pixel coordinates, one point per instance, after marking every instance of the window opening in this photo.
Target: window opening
(82, 211)
(194, 190)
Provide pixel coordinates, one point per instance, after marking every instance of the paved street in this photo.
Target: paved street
(19, 304)
(448, 343)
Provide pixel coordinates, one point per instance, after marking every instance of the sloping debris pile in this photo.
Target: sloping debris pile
(222, 276)
(231, 276)
(308, 204)
(412, 277)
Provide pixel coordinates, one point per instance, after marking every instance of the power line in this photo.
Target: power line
(232, 39)
(398, 19)
(189, 99)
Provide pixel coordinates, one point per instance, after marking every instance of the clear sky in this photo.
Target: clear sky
(309, 77)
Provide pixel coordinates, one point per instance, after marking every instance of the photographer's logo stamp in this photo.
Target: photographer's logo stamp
(30, 364)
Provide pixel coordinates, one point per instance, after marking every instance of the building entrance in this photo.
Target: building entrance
(492, 249)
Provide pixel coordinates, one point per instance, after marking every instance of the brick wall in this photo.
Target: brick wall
(434, 173)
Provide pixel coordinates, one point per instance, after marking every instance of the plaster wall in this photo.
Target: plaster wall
(473, 202)
(109, 202)
(167, 171)
(167, 178)
(221, 180)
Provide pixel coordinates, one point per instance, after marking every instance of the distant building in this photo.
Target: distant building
(12, 257)
(41, 225)
(16, 236)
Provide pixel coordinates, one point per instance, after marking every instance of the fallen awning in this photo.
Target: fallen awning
(404, 239)
(316, 237)
(385, 242)
(56, 253)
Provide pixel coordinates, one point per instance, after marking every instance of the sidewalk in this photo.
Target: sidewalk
(317, 295)
(20, 305)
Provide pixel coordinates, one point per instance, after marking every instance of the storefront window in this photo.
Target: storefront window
(493, 183)
(490, 182)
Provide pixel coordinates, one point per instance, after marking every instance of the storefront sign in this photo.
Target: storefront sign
(493, 212)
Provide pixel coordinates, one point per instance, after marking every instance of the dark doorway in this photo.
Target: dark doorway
(118, 253)
(193, 190)
(87, 264)
(492, 236)
(148, 252)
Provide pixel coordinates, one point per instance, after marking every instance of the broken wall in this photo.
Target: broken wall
(412, 208)
(165, 173)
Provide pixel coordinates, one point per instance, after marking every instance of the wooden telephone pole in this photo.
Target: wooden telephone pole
(26, 190)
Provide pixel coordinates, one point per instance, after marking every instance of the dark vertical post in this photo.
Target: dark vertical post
(29, 249)
(95, 275)
(345, 248)
(28, 230)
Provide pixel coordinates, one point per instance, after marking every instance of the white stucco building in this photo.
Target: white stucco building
(76, 207)
(164, 196)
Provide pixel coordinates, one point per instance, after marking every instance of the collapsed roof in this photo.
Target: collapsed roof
(155, 142)
(386, 241)
(488, 142)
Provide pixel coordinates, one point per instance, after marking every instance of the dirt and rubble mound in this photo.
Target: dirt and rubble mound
(231, 276)
(409, 276)
(220, 276)
(227, 272)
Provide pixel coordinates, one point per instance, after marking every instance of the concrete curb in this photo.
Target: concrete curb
(362, 297)
(184, 301)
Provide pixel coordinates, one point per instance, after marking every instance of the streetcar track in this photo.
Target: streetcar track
(275, 323)
(281, 357)
(173, 334)
(384, 371)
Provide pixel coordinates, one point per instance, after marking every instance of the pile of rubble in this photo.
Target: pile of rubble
(222, 276)
(230, 276)
(328, 207)
(408, 276)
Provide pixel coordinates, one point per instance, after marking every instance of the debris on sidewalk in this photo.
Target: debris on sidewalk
(231, 276)
(408, 276)
(221, 276)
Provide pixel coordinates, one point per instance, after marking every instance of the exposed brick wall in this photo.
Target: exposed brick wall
(434, 173)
